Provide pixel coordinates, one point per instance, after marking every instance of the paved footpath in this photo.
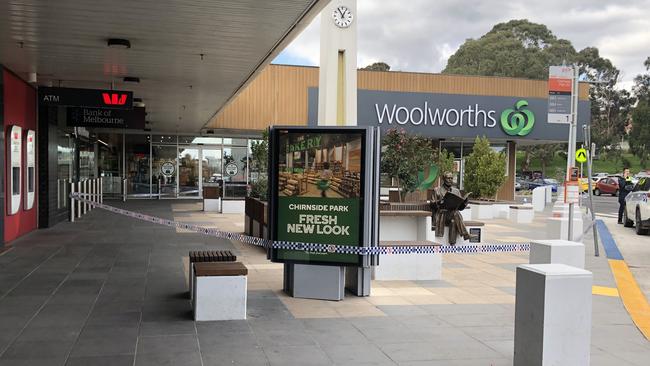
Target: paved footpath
(109, 290)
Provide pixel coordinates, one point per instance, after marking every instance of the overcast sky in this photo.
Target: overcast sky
(419, 35)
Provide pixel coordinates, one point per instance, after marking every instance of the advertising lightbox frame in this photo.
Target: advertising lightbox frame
(368, 215)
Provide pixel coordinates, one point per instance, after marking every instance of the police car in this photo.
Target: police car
(637, 207)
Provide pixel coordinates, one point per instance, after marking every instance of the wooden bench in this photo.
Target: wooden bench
(220, 290)
(413, 266)
(521, 214)
(200, 256)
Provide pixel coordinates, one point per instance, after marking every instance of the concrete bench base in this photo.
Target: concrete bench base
(212, 204)
(220, 291)
(409, 267)
(473, 227)
(220, 298)
(557, 251)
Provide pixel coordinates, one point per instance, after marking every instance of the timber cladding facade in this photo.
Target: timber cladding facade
(450, 109)
(279, 94)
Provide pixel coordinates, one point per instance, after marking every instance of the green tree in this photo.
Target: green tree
(641, 87)
(485, 170)
(403, 156)
(377, 66)
(640, 134)
(519, 48)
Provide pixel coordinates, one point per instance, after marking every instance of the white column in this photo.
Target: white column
(552, 315)
(338, 66)
(566, 252)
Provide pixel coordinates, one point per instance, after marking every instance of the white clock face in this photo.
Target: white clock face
(342, 17)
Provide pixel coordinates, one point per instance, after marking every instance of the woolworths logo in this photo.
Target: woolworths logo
(518, 121)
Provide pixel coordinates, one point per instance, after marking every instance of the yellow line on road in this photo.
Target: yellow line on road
(604, 291)
(633, 298)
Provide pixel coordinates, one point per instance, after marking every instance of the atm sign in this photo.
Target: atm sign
(89, 98)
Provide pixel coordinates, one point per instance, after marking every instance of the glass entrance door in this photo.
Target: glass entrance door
(164, 165)
(211, 164)
(189, 171)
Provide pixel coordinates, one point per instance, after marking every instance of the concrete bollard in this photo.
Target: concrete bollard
(539, 199)
(552, 315)
(566, 252)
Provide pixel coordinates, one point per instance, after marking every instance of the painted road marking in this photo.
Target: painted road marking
(604, 291)
(633, 298)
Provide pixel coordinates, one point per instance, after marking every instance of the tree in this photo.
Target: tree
(641, 87)
(485, 170)
(519, 48)
(403, 156)
(640, 135)
(377, 66)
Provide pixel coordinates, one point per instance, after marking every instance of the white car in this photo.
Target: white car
(637, 207)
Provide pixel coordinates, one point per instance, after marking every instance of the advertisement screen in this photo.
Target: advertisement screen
(317, 191)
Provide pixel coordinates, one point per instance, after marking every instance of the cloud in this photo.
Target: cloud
(420, 35)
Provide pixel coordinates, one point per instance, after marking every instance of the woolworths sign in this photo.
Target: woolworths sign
(449, 116)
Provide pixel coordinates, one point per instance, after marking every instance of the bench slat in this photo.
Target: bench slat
(203, 269)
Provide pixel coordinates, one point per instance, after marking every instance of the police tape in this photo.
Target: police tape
(418, 248)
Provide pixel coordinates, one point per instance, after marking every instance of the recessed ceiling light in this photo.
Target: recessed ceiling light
(119, 43)
(131, 79)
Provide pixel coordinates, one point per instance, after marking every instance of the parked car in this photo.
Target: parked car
(541, 182)
(637, 207)
(520, 184)
(607, 185)
(584, 184)
(599, 175)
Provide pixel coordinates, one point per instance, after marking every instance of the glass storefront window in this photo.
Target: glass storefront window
(211, 165)
(137, 165)
(188, 171)
(207, 140)
(110, 163)
(235, 167)
(235, 141)
(65, 160)
(164, 139)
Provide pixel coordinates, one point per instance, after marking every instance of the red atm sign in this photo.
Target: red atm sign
(90, 98)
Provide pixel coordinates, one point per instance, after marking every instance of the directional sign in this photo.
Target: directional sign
(581, 156)
(560, 88)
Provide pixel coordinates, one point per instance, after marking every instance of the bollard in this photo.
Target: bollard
(78, 201)
(552, 315)
(159, 191)
(72, 203)
(84, 190)
(101, 190)
(124, 190)
(566, 252)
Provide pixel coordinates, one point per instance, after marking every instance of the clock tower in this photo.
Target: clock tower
(337, 88)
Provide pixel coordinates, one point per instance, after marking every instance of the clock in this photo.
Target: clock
(342, 17)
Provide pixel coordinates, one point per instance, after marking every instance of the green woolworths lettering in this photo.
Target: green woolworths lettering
(518, 121)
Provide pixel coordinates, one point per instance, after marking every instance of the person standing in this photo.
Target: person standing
(624, 187)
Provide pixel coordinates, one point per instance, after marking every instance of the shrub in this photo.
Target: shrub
(485, 170)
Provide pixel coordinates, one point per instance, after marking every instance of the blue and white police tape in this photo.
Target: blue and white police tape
(426, 247)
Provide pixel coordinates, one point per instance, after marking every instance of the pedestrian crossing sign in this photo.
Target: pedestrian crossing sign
(581, 155)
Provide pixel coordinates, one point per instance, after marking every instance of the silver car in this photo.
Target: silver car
(637, 207)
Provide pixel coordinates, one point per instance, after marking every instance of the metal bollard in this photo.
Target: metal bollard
(124, 190)
(101, 190)
(78, 201)
(84, 190)
(71, 203)
(159, 189)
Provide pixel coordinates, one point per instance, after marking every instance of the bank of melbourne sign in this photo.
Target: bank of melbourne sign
(454, 115)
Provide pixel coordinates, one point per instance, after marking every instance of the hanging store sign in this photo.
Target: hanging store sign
(106, 118)
(90, 98)
(323, 195)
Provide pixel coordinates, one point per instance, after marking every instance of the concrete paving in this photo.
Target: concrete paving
(110, 290)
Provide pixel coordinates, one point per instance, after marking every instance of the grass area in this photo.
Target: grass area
(557, 166)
